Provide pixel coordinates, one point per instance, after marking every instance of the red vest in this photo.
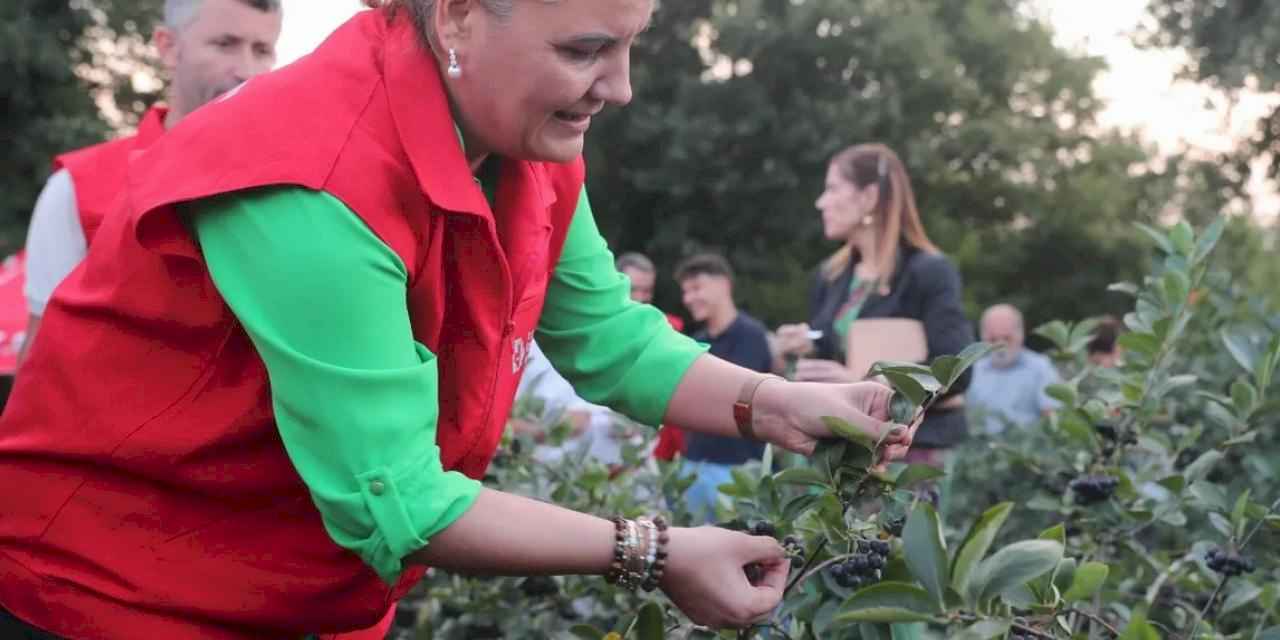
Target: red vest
(157, 500)
(98, 172)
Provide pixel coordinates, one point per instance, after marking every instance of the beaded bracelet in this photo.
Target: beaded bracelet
(639, 553)
(659, 554)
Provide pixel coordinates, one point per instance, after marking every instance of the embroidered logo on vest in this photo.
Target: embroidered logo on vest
(520, 348)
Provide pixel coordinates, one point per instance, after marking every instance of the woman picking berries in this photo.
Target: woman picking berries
(258, 409)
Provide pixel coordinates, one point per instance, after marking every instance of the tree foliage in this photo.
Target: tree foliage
(740, 105)
(1232, 46)
(64, 62)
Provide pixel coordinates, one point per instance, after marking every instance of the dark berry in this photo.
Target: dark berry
(764, 528)
(881, 548)
(1093, 489)
(1227, 563)
(791, 541)
(876, 562)
(755, 573)
(797, 561)
(450, 610)
(567, 612)
(539, 586)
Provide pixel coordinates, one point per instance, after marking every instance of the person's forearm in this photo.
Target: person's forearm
(703, 401)
(505, 534)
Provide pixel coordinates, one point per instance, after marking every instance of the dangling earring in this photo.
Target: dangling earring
(454, 71)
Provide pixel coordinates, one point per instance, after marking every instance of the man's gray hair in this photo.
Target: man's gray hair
(179, 13)
(636, 261)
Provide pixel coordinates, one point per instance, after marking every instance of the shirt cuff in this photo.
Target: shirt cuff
(408, 507)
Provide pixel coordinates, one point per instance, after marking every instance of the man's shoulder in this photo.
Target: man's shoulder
(95, 153)
(748, 323)
(1037, 360)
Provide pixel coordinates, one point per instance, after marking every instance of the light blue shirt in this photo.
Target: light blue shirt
(1012, 395)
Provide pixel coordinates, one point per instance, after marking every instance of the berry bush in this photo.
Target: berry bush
(1147, 506)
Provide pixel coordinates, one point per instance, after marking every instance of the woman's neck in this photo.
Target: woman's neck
(863, 244)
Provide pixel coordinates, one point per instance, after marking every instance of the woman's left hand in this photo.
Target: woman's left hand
(790, 415)
(813, 370)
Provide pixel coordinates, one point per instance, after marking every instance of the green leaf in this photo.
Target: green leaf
(1055, 332)
(1183, 238)
(1210, 495)
(850, 432)
(1221, 524)
(1220, 415)
(912, 474)
(901, 411)
(1140, 342)
(984, 630)
(976, 544)
(801, 476)
(1015, 565)
(1156, 236)
(1268, 363)
(1088, 579)
(1244, 397)
(875, 631)
(925, 551)
(1056, 533)
(970, 355)
(888, 602)
(1247, 438)
(907, 385)
(1081, 334)
(1175, 484)
(1062, 392)
(946, 369)
(1238, 519)
(829, 456)
(1197, 470)
(586, 632)
(1138, 627)
(1176, 288)
(1240, 348)
(1270, 633)
(797, 506)
(1208, 239)
(1244, 593)
(649, 622)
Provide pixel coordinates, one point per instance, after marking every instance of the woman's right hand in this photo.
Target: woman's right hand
(705, 576)
(793, 340)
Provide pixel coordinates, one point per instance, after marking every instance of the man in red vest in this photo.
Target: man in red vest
(208, 47)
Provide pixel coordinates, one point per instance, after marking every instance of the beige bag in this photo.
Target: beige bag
(874, 339)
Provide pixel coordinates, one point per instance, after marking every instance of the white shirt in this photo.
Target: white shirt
(55, 241)
(542, 381)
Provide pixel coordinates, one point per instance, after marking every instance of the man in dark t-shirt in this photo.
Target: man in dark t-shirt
(706, 281)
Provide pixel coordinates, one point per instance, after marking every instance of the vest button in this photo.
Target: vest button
(377, 487)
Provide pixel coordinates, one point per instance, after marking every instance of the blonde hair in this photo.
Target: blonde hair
(895, 212)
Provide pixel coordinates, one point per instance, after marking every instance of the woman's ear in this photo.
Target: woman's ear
(452, 21)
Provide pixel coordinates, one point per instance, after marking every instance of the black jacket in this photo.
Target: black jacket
(925, 287)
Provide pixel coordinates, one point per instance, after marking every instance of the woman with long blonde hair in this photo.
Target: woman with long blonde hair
(885, 267)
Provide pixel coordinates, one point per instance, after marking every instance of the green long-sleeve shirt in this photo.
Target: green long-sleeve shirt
(355, 397)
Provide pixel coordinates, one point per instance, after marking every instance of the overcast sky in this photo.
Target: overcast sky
(1140, 90)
